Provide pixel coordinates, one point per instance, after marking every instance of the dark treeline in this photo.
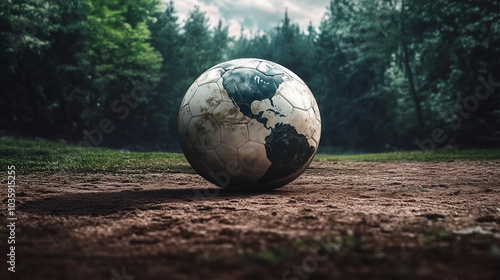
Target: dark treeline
(387, 74)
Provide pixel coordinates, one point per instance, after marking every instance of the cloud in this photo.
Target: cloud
(184, 7)
(254, 15)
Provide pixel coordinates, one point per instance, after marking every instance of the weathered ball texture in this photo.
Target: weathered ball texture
(249, 124)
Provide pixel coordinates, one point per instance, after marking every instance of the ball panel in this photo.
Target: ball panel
(317, 132)
(234, 135)
(302, 122)
(184, 119)
(203, 132)
(189, 94)
(296, 94)
(316, 110)
(257, 131)
(210, 76)
(228, 113)
(208, 161)
(228, 156)
(205, 100)
(252, 158)
(316, 125)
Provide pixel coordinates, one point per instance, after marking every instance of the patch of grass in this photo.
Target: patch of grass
(411, 189)
(440, 155)
(304, 243)
(43, 156)
(435, 233)
(269, 257)
(351, 240)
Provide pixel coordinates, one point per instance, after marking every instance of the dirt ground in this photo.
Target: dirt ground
(339, 220)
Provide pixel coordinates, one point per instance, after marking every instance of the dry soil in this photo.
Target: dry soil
(339, 220)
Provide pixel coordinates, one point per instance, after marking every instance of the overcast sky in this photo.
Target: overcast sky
(254, 15)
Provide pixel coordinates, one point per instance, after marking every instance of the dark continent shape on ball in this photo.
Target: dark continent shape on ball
(287, 150)
(279, 150)
(245, 85)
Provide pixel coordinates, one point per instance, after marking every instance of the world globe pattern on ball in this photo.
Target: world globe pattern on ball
(249, 124)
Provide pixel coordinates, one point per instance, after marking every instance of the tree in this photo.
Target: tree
(220, 43)
(166, 39)
(122, 63)
(384, 72)
(354, 118)
(41, 58)
(459, 45)
(196, 43)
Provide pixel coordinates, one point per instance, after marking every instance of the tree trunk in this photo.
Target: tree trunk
(409, 72)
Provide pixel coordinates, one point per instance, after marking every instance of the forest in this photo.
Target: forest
(387, 74)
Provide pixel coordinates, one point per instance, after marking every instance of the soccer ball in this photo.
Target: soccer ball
(249, 124)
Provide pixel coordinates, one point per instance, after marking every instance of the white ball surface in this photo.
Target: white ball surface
(249, 124)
